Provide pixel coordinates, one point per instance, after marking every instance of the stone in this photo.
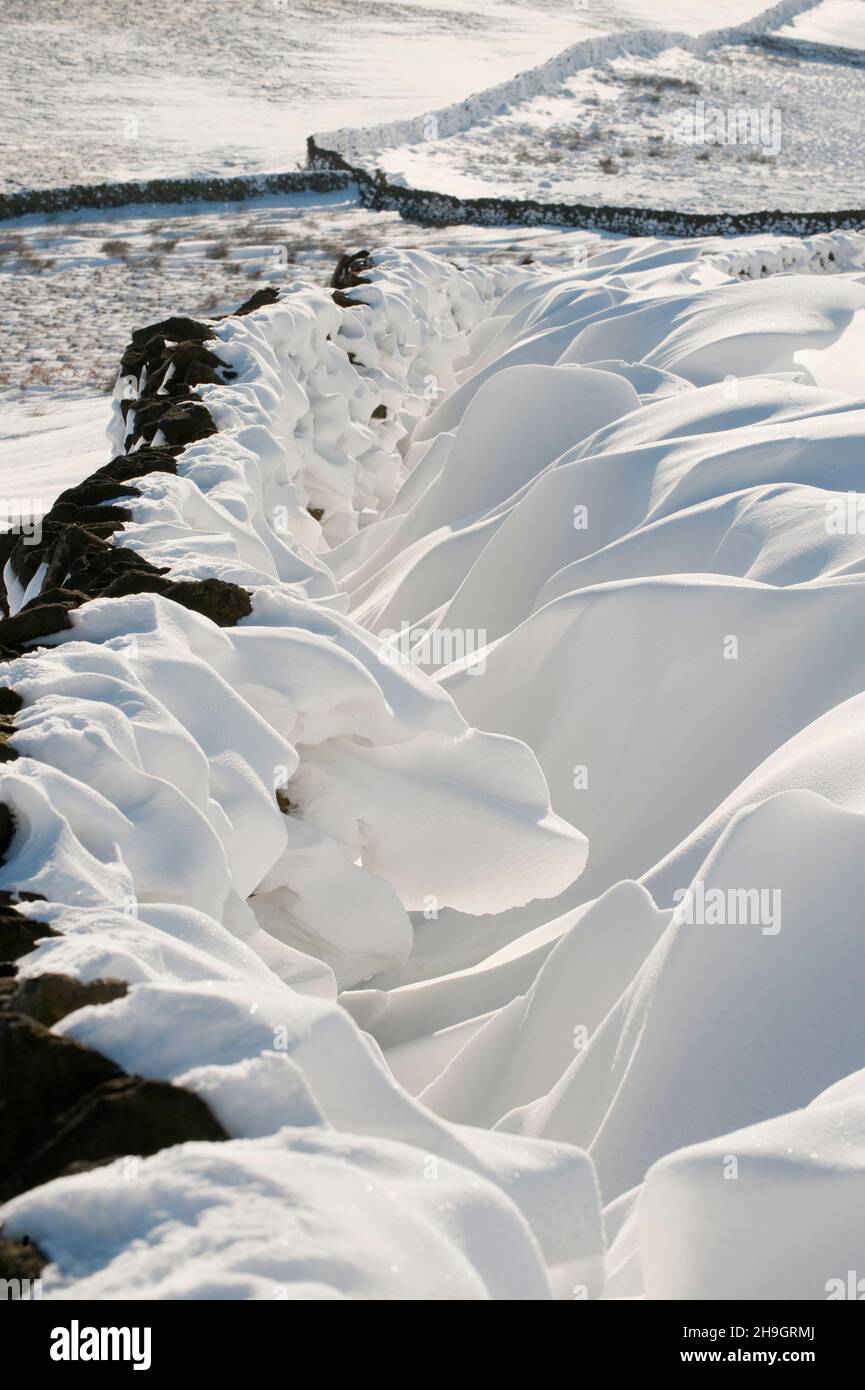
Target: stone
(180, 421)
(7, 830)
(121, 1117)
(344, 302)
(94, 491)
(48, 998)
(42, 1075)
(178, 328)
(21, 1260)
(66, 598)
(135, 581)
(349, 270)
(32, 623)
(216, 599)
(19, 934)
(267, 295)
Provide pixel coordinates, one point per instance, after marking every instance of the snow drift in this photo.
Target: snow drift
(613, 510)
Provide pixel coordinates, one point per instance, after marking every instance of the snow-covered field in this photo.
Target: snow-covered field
(109, 89)
(432, 786)
(641, 130)
(837, 22)
(92, 90)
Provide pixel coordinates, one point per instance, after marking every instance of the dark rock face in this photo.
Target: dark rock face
(178, 328)
(341, 298)
(21, 1260)
(100, 565)
(123, 468)
(7, 830)
(135, 581)
(349, 270)
(63, 1104)
(268, 295)
(18, 934)
(41, 1076)
(193, 364)
(124, 1116)
(181, 420)
(92, 493)
(168, 359)
(30, 624)
(223, 603)
(48, 998)
(10, 703)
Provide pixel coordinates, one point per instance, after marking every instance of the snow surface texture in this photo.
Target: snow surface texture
(840, 23)
(629, 488)
(662, 131)
(100, 89)
(106, 89)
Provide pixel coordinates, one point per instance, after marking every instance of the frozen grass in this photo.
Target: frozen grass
(75, 289)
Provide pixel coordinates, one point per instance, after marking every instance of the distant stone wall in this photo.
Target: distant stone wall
(204, 190)
(422, 205)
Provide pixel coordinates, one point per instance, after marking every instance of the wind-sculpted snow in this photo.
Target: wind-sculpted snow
(591, 579)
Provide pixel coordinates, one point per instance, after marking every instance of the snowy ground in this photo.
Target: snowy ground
(97, 89)
(107, 89)
(495, 879)
(840, 22)
(500, 1014)
(627, 132)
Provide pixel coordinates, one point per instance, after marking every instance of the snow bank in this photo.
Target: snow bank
(381, 778)
(320, 790)
(778, 1205)
(672, 605)
(624, 540)
(358, 1191)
